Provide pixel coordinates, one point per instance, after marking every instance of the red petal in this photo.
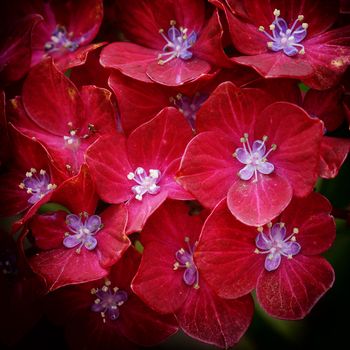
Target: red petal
(207, 168)
(112, 242)
(293, 289)
(333, 154)
(130, 92)
(311, 215)
(257, 203)
(48, 230)
(77, 193)
(213, 320)
(62, 100)
(225, 254)
(110, 171)
(155, 144)
(297, 155)
(61, 267)
(232, 111)
(131, 59)
(177, 71)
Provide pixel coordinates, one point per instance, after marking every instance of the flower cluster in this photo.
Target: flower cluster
(158, 164)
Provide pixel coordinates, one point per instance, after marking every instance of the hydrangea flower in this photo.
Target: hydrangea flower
(173, 42)
(281, 260)
(140, 170)
(108, 312)
(79, 238)
(247, 151)
(290, 39)
(199, 311)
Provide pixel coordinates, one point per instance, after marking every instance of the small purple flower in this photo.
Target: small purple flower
(108, 300)
(254, 157)
(36, 184)
(185, 260)
(83, 231)
(275, 245)
(178, 43)
(284, 38)
(60, 40)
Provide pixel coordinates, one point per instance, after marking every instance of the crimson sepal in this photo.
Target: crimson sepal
(135, 324)
(326, 51)
(291, 289)
(167, 260)
(61, 263)
(69, 120)
(29, 179)
(139, 59)
(154, 146)
(65, 38)
(229, 120)
(21, 293)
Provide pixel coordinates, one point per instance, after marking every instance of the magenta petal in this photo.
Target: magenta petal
(262, 242)
(272, 261)
(71, 241)
(93, 223)
(257, 203)
(177, 72)
(293, 289)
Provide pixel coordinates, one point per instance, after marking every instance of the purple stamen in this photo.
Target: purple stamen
(108, 300)
(145, 183)
(185, 260)
(83, 232)
(60, 40)
(36, 184)
(177, 44)
(254, 158)
(275, 245)
(189, 106)
(284, 38)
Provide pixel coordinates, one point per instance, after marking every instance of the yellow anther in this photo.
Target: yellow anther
(276, 12)
(33, 170)
(21, 185)
(188, 264)
(272, 26)
(261, 28)
(269, 224)
(256, 251)
(274, 147)
(282, 224)
(305, 25)
(269, 44)
(260, 229)
(300, 18)
(295, 230)
(172, 22)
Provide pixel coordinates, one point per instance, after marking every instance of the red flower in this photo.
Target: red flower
(63, 119)
(65, 38)
(281, 260)
(168, 280)
(78, 246)
(173, 42)
(108, 314)
(141, 169)
(247, 151)
(30, 177)
(290, 39)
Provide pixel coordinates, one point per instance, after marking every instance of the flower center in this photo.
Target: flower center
(83, 227)
(108, 300)
(284, 38)
(36, 184)
(275, 244)
(60, 40)
(189, 106)
(178, 43)
(145, 183)
(254, 158)
(185, 260)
